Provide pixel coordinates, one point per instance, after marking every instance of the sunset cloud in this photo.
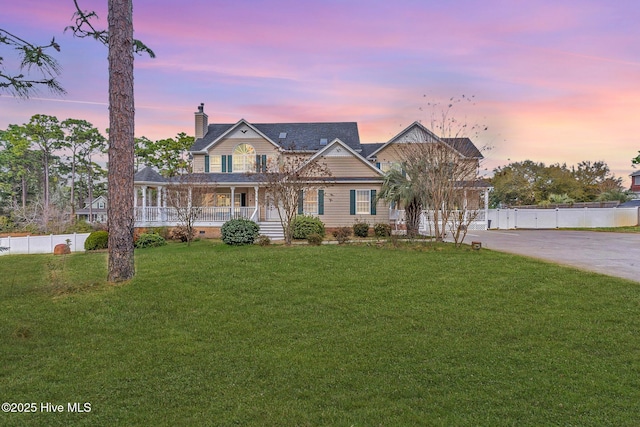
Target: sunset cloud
(555, 82)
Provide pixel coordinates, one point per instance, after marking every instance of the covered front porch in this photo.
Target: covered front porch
(216, 206)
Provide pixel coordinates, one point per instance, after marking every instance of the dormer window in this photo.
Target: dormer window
(244, 158)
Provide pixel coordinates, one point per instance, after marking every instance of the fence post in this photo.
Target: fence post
(51, 242)
(9, 237)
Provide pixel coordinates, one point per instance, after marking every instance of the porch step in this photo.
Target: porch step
(272, 229)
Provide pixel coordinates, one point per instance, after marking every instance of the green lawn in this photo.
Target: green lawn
(318, 336)
(627, 229)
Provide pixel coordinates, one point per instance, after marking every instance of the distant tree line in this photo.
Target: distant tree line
(530, 183)
(50, 168)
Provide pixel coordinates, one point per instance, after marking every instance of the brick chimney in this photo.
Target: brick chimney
(202, 122)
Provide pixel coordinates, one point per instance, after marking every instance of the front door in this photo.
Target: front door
(271, 212)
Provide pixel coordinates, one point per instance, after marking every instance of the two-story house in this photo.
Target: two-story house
(94, 210)
(229, 158)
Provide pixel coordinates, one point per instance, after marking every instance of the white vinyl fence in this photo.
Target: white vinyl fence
(563, 218)
(41, 244)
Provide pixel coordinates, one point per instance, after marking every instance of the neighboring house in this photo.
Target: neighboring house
(635, 183)
(94, 211)
(227, 156)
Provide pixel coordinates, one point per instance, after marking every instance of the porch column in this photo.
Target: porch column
(233, 202)
(257, 211)
(486, 208)
(135, 197)
(135, 204)
(163, 215)
(466, 203)
(144, 203)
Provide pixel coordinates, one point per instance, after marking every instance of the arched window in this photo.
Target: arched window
(244, 158)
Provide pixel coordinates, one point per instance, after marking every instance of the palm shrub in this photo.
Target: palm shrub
(96, 240)
(304, 225)
(239, 232)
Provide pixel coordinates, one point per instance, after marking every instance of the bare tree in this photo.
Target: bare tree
(444, 177)
(286, 179)
(444, 170)
(187, 196)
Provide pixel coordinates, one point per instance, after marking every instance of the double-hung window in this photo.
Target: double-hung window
(311, 202)
(215, 163)
(363, 201)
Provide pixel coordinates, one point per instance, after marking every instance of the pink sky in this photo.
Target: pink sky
(555, 81)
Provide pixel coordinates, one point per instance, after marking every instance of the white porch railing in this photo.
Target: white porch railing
(479, 222)
(209, 214)
(427, 220)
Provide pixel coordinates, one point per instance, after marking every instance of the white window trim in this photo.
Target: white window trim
(359, 193)
(310, 201)
(213, 167)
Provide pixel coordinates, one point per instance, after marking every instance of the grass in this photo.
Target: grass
(328, 335)
(626, 229)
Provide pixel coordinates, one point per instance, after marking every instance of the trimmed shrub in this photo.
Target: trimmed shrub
(96, 240)
(163, 232)
(150, 240)
(303, 225)
(315, 239)
(342, 234)
(239, 232)
(382, 230)
(361, 229)
(263, 240)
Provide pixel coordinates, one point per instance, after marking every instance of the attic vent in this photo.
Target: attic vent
(283, 135)
(323, 141)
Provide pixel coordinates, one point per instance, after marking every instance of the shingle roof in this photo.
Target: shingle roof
(300, 136)
(464, 146)
(148, 174)
(220, 178)
(369, 148)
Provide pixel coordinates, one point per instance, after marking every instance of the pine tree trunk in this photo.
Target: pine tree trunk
(121, 141)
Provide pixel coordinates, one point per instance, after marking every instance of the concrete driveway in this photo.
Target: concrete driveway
(614, 254)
